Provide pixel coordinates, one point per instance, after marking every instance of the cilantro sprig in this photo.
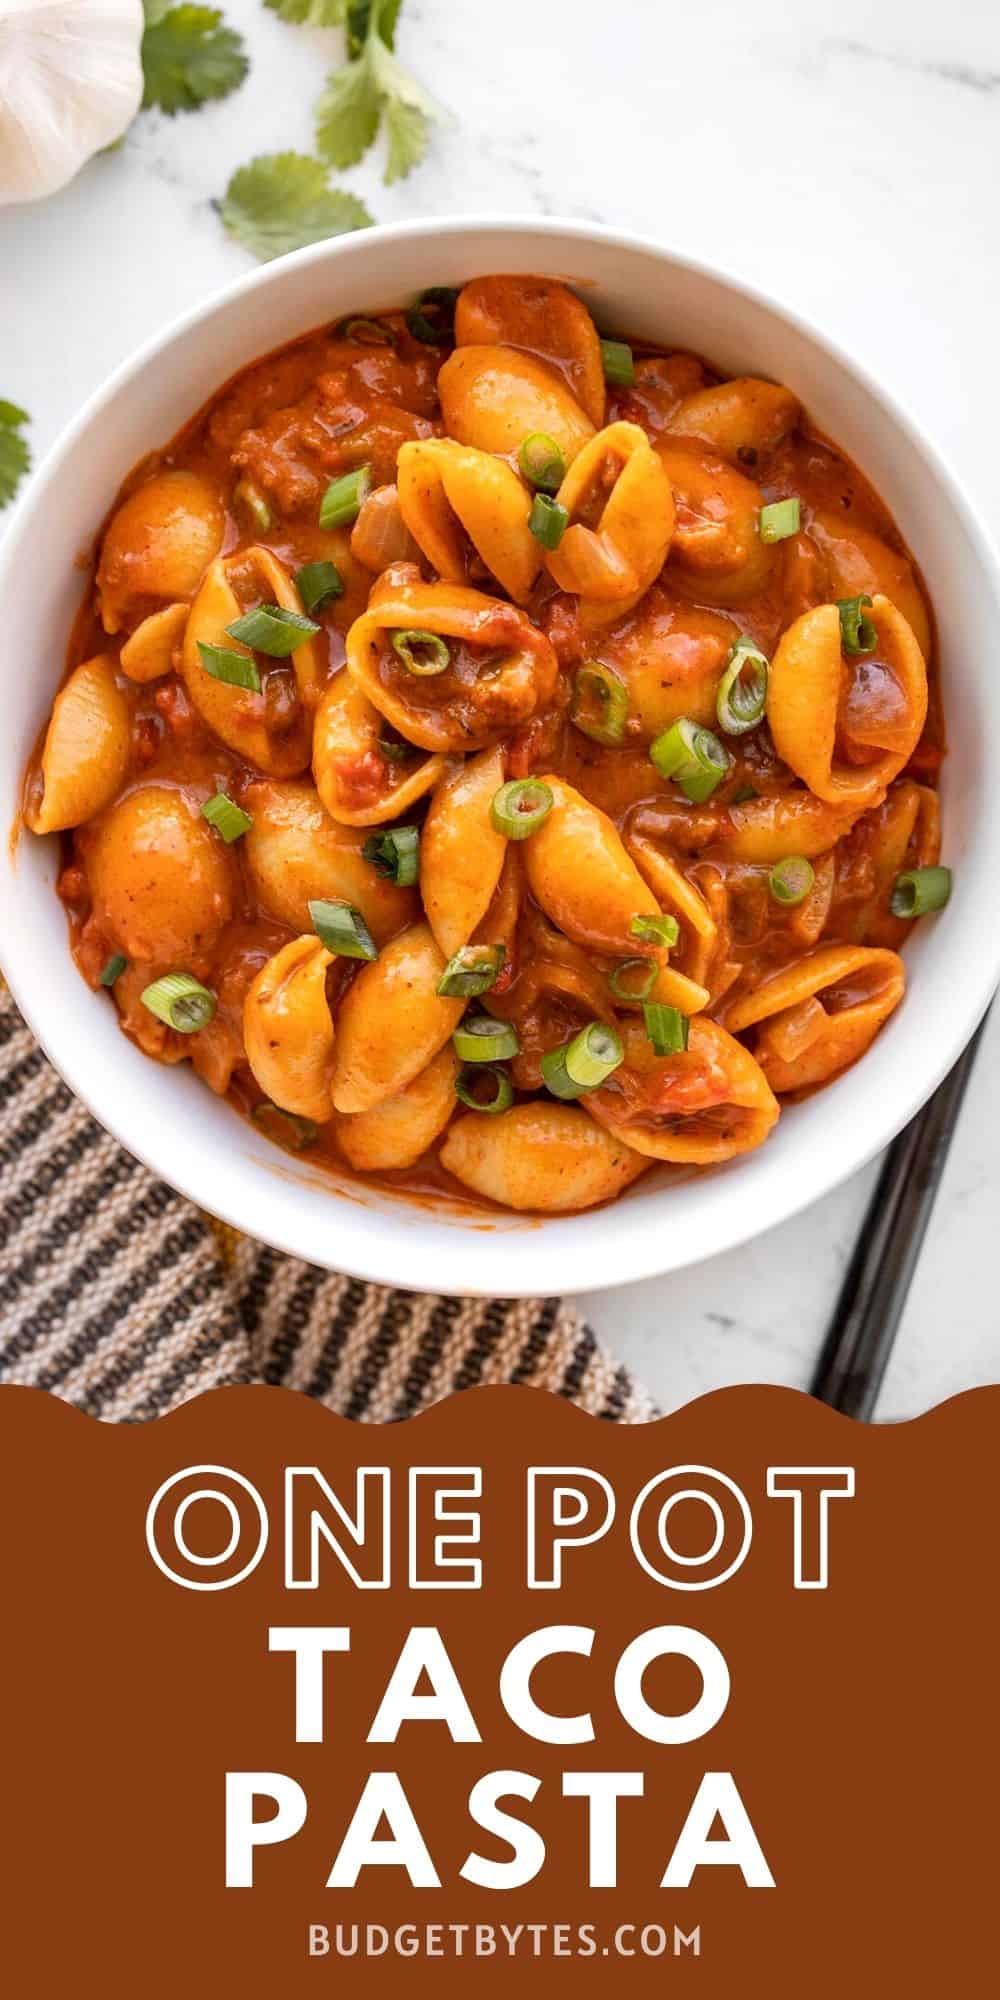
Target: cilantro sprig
(311, 13)
(281, 201)
(15, 455)
(188, 56)
(372, 87)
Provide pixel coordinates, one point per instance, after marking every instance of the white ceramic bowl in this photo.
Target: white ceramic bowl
(170, 1120)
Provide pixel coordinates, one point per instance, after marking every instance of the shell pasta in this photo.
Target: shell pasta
(499, 755)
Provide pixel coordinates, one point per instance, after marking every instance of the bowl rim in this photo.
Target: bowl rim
(361, 1259)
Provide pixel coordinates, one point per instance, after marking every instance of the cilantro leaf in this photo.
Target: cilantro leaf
(15, 456)
(281, 201)
(372, 83)
(347, 114)
(189, 56)
(311, 13)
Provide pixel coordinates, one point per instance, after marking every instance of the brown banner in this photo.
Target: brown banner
(293, 1705)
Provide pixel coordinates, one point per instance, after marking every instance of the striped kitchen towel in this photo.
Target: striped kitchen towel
(121, 1297)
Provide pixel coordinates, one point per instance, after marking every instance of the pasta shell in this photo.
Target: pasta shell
(493, 397)
(544, 317)
(502, 669)
(808, 714)
(238, 716)
(149, 654)
(818, 1016)
(158, 546)
(297, 854)
(288, 1029)
(162, 882)
(397, 1132)
(85, 753)
(448, 491)
(358, 784)
(738, 419)
(547, 1158)
(716, 555)
(392, 1022)
(671, 657)
(461, 852)
(858, 563)
(582, 875)
(619, 557)
(694, 1109)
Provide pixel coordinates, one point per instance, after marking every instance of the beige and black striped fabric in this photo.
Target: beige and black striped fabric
(118, 1295)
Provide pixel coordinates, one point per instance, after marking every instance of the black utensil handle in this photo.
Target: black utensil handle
(866, 1317)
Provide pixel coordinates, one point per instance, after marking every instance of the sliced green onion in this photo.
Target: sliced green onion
(742, 694)
(780, 519)
(422, 653)
(113, 970)
(471, 1080)
(520, 806)
(181, 1001)
(790, 880)
(666, 1027)
(227, 817)
(627, 966)
(342, 929)
(745, 793)
(272, 630)
(471, 971)
(617, 362)
(235, 669)
(548, 521)
(693, 757)
(286, 1128)
(857, 633)
(394, 751)
(432, 319)
(367, 332)
(542, 462)
(250, 496)
(663, 930)
(920, 891)
(317, 583)
(584, 1063)
(395, 854)
(599, 707)
(343, 498)
(484, 1040)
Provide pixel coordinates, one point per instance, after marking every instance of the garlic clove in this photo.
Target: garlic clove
(70, 84)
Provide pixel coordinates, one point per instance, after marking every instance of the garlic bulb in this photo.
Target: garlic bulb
(70, 83)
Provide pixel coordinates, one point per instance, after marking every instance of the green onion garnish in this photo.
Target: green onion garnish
(342, 929)
(251, 497)
(227, 817)
(857, 633)
(619, 367)
(368, 332)
(548, 521)
(317, 583)
(272, 630)
(742, 694)
(422, 653)
(693, 757)
(542, 462)
(520, 806)
(395, 854)
(286, 1128)
(666, 1027)
(626, 970)
(745, 793)
(920, 891)
(584, 1063)
(791, 880)
(472, 970)
(343, 498)
(113, 970)
(181, 1001)
(432, 319)
(780, 519)
(483, 1040)
(599, 707)
(474, 1078)
(656, 930)
(235, 669)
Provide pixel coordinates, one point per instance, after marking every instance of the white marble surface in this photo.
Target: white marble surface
(844, 155)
